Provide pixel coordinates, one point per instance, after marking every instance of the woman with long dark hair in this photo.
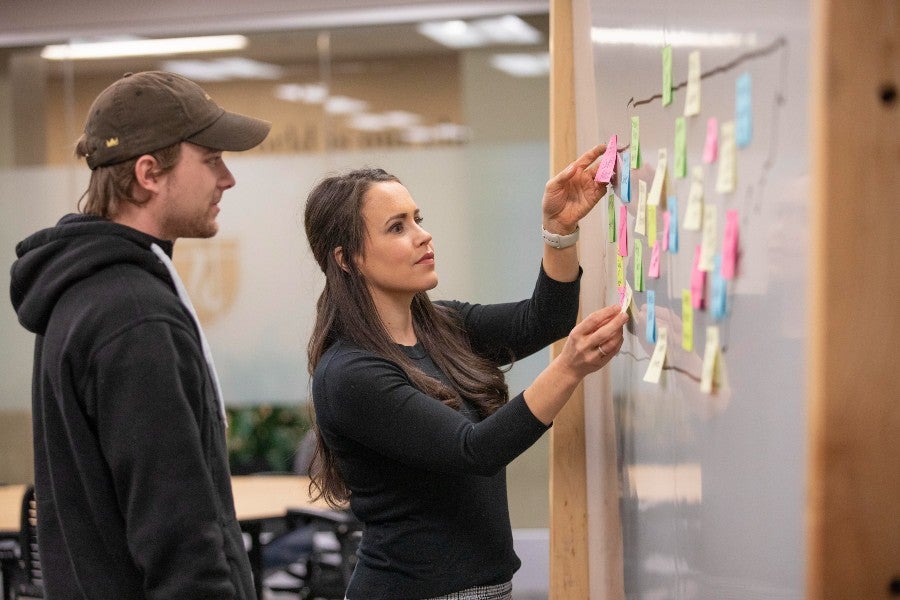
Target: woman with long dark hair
(415, 423)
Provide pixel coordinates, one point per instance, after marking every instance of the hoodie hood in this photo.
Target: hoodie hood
(54, 259)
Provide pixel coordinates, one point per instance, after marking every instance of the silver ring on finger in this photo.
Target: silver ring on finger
(600, 349)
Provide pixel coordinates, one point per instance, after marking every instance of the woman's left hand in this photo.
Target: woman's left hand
(572, 193)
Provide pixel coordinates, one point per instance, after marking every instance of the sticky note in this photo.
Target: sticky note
(710, 237)
(635, 143)
(611, 217)
(625, 177)
(620, 272)
(640, 220)
(693, 214)
(638, 264)
(687, 321)
(653, 271)
(673, 224)
(698, 281)
(623, 231)
(667, 75)
(651, 224)
(607, 162)
(730, 245)
(626, 299)
(659, 178)
(680, 148)
(718, 302)
(658, 358)
(743, 110)
(667, 220)
(727, 177)
(692, 97)
(650, 332)
(711, 144)
(710, 355)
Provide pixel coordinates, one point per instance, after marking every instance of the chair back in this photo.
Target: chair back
(32, 584)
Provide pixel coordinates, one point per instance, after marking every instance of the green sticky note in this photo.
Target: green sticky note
(667, 75)
(680, 148)
(651, 224)
(611, 217)
(635, 142)
(638, 265)
(687, 321)
(620, 272)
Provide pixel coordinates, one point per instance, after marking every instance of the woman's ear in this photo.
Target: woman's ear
(339, 258)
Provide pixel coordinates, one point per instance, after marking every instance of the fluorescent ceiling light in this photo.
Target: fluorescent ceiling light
(523, 65)
(343, 105)
(313, 93)
(396, 119)
(441, 133)
(507, 29)
(223, 69)
(143, 47)
(659, 37)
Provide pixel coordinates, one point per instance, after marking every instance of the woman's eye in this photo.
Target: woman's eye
(419, 220)
(396, 227)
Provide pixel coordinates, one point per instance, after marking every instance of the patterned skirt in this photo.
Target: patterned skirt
(502, 591)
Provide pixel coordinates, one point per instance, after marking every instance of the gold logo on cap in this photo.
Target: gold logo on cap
(111, 142)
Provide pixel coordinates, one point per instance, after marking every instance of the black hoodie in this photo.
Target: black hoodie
(131, 471)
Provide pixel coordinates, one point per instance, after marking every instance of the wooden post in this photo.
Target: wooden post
(854, 374)
(569, 578)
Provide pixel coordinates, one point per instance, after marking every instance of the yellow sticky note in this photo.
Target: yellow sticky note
(726, 181)
(659, 178)
(658, 359)
(667, 75)
(710, 238)
(687, 321)
(640, 220)
(626, 300)
(710, 356)
(692, 96)
(693, 214)
(620, 271)
(651, 225)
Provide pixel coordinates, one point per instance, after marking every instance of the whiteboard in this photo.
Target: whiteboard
(712, 484)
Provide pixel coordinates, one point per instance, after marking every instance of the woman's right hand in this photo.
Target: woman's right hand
(591, 344)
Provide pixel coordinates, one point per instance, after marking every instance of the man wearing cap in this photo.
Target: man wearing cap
(131, 471)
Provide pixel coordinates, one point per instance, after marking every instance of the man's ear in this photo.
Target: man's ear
(339, 257)
(146, 173)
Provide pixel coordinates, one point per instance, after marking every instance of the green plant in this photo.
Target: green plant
(264, 437)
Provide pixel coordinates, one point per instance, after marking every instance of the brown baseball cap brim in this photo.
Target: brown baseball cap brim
(232, 132)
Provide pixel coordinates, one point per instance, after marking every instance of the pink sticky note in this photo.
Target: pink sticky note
(730, 245)
(711, 147)
(623, 230)
(698, 281)
(621, 290)
(667, 221)
(654, 262)
(607, 161)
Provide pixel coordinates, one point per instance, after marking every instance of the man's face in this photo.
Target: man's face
(192, 192)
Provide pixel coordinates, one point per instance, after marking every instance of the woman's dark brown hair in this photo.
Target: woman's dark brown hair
(346, 311)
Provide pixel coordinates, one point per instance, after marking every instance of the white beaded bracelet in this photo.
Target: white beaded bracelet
(559, 241)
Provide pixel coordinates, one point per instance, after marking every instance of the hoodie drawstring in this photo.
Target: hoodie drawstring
(186, 301)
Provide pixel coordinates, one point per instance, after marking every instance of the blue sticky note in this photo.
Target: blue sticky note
(651, 316)
(743, 111)
(625, 177)
(718, 304)
(672, 203)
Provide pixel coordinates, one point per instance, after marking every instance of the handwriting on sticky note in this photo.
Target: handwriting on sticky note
(620, 272)
(611, 217)
(626, 299)
(623, 231)
(698, 281)
(693, 214)
(659, 178)
(653, 271)
(687, 321)
(640, 220)
(667, 75)
(680, 148)
(650, 332)
(692, 96)
(672, 224)
(638, 264)
(710, 355)
(726, 181)
(743, 111)
(607, 161)
(730, 245)
(651, 224)
(710, 237)
(658, 358)
(635, 142)
(625, 177)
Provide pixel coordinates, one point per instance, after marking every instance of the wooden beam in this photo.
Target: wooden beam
(569, 573)
(854, 381)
